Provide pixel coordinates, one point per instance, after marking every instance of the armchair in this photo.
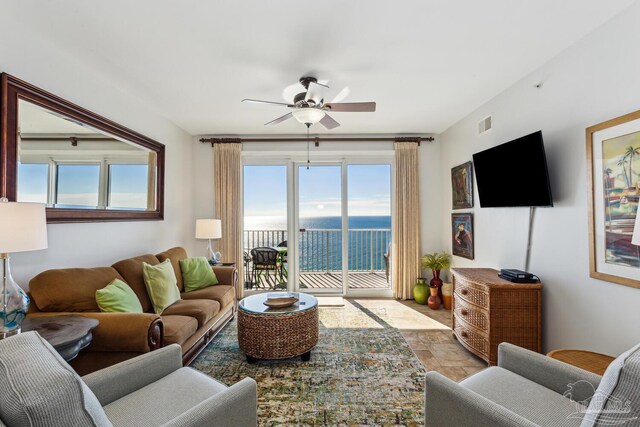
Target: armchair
(151, 390)
(529, 389)
(155, 390)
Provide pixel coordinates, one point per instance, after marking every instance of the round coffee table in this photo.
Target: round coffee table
(277, 333)
(67, 334)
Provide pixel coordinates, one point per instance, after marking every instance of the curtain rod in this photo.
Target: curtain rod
(72, 139)
(316, 140)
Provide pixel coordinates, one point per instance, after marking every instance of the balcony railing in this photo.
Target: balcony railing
(321, 249)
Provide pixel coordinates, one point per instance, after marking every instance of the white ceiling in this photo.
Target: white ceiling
(427, 63)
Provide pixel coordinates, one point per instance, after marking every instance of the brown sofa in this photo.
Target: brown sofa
(191, 322)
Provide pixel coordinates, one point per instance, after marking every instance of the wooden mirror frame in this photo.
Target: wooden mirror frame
(12, 90)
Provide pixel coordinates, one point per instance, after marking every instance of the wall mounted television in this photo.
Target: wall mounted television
(514, 174)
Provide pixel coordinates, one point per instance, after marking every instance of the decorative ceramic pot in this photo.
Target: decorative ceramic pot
(421, 291)
(436, 282)
(434, 300)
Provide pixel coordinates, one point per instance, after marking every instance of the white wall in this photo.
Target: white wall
(595, 80)
(429, 162)
(31, 58)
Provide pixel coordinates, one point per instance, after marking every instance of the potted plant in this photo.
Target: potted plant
(436, 262)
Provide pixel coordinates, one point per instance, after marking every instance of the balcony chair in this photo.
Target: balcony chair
(266, 260)
(249, 279)
(283, 258)
(387, 261)
(40, 388)
(528, 389)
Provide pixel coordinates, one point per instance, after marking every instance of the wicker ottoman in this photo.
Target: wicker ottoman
(268, 333)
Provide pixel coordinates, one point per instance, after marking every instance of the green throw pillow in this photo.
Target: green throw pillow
(161, 284)
(197, 274)
(118, 297)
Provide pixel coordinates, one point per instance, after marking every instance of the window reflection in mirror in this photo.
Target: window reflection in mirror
(69, 165)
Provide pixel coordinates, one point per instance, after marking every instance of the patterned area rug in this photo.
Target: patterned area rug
(362, 372)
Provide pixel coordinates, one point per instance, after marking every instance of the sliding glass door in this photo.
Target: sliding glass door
(323, 228)
(369, 216)
(265, 227)
(319, 222)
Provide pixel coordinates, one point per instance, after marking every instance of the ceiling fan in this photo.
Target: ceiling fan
(309, 107)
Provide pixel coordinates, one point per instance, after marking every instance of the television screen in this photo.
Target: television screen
(513, 174)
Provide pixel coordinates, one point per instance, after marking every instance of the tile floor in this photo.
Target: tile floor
(429, 335)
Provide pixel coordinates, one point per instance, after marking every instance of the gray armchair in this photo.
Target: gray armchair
(155, 390)
(529, 389)
(151, 390)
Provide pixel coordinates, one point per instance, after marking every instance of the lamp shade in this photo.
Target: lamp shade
(23, 227)
(208, 229)
(635, 238)
(308, 115)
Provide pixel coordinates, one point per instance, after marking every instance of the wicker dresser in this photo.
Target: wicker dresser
(488, 310)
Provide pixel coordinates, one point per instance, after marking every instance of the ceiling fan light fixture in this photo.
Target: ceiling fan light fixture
(308, 115)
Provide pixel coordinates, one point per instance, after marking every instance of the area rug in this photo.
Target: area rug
(362, 373)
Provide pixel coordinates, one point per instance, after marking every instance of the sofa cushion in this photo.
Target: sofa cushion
(175, 255)
(131, 270)
(197, 274)
(164, 399)
(118, 297)
(178, 329)
(202, 310)
(525, 397)
(617, 399)
(224, 294)
(40, 389)
(162, 288)
(71, 289)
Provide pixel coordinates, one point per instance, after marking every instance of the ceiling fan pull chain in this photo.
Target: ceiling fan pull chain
(308, 161)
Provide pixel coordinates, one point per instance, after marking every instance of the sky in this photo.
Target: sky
(369, 190)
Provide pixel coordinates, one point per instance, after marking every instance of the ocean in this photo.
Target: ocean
(320, 240)
(321, 222)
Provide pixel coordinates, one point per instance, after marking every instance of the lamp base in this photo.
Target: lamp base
(14, 303)
(11, 333)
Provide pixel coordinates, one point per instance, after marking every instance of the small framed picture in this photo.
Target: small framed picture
(462, 186)
(462, 235)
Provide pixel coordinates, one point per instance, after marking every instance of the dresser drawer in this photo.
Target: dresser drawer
(472, 314)
(471, 339)
(471, 293)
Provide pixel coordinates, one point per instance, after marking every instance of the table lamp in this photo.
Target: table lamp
(209, 229)
(23, 227)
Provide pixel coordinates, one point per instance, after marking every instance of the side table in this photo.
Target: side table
(587, 360)
(67, 334)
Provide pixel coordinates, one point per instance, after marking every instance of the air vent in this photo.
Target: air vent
(485, 125)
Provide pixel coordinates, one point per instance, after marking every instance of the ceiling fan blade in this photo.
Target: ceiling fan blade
(358, 107)
(328, 122)
(279, 119)
(257, 101)
(315, 92)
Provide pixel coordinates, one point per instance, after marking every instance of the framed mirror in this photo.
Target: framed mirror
(85, 167)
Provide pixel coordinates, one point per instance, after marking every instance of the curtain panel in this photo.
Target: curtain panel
(227, 172)
(405, 256)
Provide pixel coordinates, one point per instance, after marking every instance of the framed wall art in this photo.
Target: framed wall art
(462, 186)
(613, 168)
(462, 235)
